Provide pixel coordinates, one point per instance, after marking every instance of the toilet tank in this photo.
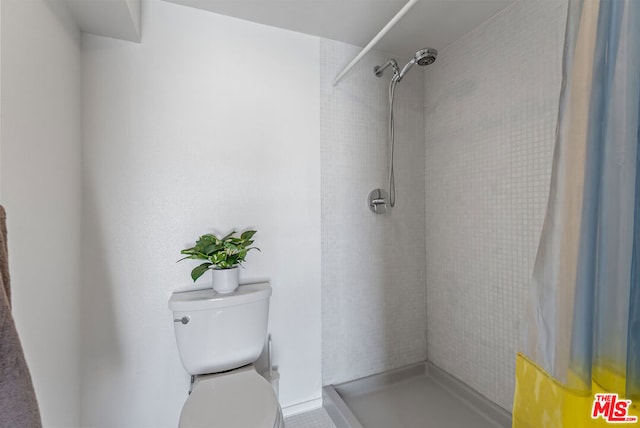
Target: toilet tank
(217, 332)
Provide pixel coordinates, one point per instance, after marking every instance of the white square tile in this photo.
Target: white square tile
(491, 102)
(373, 270)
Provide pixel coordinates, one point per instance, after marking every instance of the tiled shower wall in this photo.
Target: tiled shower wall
(373, 272)
(491, 102)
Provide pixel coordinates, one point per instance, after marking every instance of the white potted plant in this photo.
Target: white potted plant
(223, 257)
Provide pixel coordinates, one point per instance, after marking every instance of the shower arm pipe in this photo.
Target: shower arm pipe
(376, 39)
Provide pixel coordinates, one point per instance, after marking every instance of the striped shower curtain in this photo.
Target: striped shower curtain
(579, 359)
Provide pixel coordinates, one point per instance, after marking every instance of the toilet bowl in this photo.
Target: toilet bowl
(219, 337)
(239, 398)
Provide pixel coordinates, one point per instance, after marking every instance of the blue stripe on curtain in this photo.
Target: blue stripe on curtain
(613, 268)
(619, 187)
(609, 262)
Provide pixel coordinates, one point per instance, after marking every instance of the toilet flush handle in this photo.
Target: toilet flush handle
(183, 320)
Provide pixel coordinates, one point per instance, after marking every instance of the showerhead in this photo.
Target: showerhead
(423, 57)
(426, 56)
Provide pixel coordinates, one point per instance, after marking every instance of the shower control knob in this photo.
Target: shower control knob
(377, 201)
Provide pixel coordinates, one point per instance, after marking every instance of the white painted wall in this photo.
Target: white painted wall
(40, 166)
(211, 122)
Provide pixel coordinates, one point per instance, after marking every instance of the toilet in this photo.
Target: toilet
(219, 337)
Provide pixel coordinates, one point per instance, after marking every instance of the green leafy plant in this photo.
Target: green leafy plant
(220, 253)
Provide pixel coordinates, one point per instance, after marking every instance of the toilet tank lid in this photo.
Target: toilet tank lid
(207, 299)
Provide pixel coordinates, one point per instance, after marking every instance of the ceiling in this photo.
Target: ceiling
(432, 23)
(119, 19)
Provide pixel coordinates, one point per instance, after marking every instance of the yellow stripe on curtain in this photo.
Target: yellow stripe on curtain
(541, 401)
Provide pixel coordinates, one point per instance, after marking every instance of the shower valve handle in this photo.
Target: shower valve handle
(377, 201)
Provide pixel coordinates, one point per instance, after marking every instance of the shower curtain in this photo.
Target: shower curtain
(581, 327)
(18, 404)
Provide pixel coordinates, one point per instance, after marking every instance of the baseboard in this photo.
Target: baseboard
(305, 406)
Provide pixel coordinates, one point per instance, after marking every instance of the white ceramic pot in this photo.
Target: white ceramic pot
(225, 280)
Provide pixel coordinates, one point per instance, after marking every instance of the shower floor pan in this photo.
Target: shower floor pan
(418, 396)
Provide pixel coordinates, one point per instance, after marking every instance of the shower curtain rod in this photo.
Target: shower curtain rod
(376, 39)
